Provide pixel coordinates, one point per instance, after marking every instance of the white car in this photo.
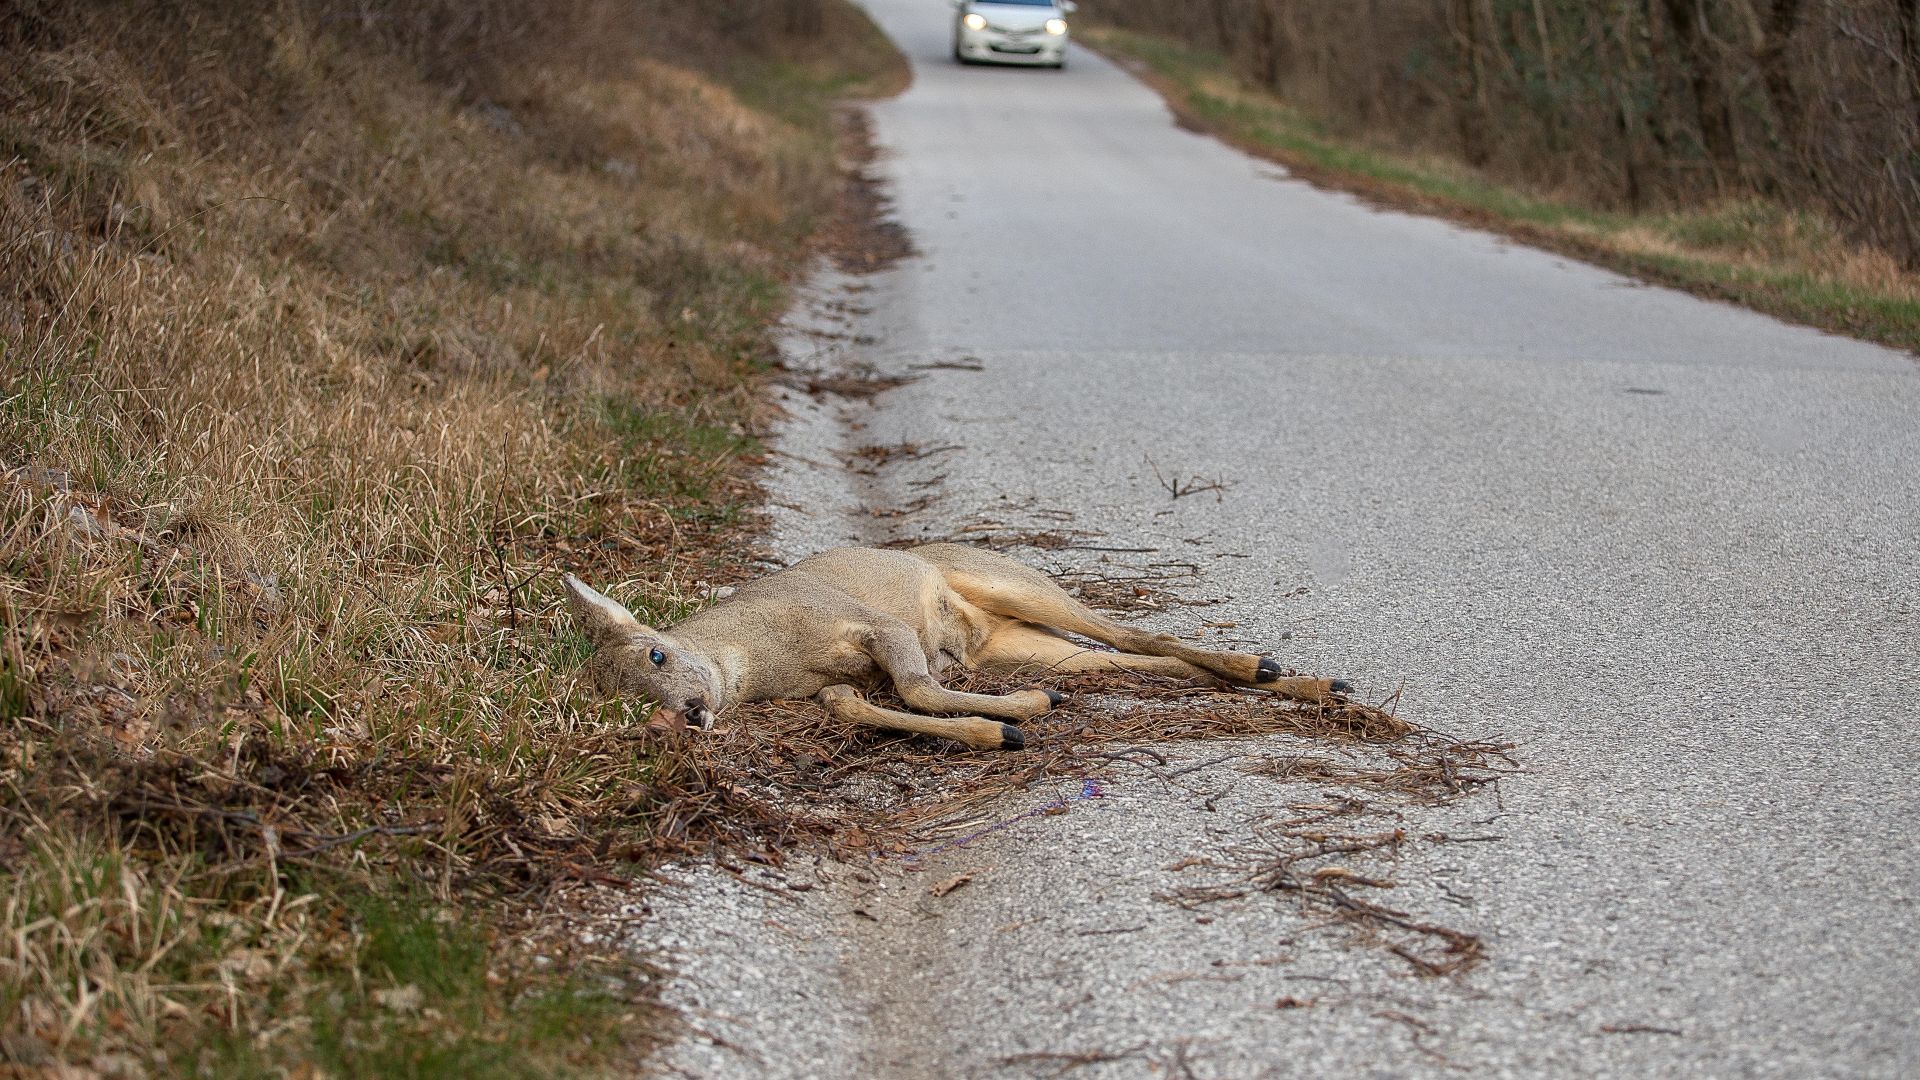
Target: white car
(1011, 31)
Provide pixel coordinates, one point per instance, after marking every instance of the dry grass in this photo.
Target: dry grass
(321, 340)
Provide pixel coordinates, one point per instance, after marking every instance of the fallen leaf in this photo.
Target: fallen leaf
(952, 883)
(1341, 873)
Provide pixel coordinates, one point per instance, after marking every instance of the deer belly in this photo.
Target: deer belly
(847, 662)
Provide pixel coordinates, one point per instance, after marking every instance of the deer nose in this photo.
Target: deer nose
(699, 715)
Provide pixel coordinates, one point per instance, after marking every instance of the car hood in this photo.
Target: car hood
(1016, 16)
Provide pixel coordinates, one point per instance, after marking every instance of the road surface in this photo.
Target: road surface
(1670, 547)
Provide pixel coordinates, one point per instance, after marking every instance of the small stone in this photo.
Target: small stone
(401, 999)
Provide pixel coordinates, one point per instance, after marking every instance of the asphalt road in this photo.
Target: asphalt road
(1670, 547)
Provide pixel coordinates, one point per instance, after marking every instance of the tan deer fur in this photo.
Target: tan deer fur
(845, 619)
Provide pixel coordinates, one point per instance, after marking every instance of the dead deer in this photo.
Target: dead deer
(840, 620)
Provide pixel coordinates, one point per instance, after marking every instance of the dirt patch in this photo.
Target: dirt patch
(864, 238)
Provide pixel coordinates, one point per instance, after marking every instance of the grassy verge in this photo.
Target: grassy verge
(322, 340)
(1791, 263)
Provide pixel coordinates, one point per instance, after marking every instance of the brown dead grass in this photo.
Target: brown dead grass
(322, 341)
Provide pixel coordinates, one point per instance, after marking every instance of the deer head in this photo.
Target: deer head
(632, 659)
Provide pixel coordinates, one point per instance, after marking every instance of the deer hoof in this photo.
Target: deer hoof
(1269, 670)
(1011, 739)
(1340, 686)
(1055, 698)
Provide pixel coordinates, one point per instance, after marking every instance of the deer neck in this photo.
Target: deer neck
(715, 644)
(729, 664)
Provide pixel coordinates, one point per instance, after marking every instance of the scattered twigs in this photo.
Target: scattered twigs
(1192, 485)
(506, 578)
(857, 383)
(1066, 1061)
(787, 769)
(1417, 773)
(869, 460)
(1638, 1029)
(1308, 857)
(997, 537)
(1286, 864)
(1198, 765)
(967, 363)
(498, 549)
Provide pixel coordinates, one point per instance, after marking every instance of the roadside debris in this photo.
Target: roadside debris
(952, 883)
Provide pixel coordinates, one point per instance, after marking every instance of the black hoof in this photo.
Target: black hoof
(1011, 739)
(1269, 670)
(1341, 686)
(1055, 698)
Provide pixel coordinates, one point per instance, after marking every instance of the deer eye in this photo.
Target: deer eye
(659, 658)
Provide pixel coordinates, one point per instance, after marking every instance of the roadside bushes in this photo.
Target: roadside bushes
(1635, 104)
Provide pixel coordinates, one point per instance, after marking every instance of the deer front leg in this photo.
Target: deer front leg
(845, 703)
(896, 650)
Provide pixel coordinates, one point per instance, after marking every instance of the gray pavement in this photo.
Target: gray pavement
(1670, 547)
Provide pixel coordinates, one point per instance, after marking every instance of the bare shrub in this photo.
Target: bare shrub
(1640, 104)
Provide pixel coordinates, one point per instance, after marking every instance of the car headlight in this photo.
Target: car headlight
(1056, 27)
(975, 21)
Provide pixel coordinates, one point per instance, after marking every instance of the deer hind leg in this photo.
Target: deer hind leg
(1017, 648)
(897, 651)
(845, 703)
(1014, 590)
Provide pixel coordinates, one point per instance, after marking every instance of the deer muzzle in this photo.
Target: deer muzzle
(695, 714)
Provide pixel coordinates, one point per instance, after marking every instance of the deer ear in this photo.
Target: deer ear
(600, 615)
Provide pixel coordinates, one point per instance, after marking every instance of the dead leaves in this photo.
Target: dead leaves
(950, 884)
